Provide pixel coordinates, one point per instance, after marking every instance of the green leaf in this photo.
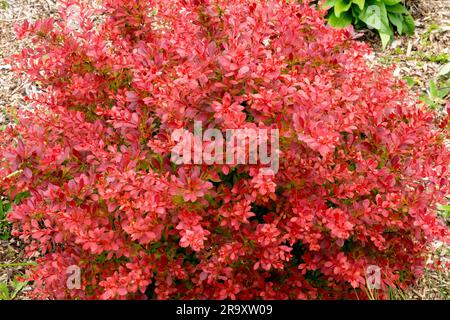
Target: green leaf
(355, 15)
(444, 207)
(343, 21)
(386, 27)
(371, 16)
(4, 292)
(444, 70)
(375, 16)
(19, 197)
(360, 3)
(397, 20)
(408, 24)
(410, 81)
(434, 92)
(341, 6)
(385, 39)
(398, 8)
(391, 2)
(443, 92)
(17, 286)
(425, 99)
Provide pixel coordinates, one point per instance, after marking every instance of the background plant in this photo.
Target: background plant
(9, 291)
(385, 16)
(438, 89)
(436, 95)
(5, 208)
(5, 226)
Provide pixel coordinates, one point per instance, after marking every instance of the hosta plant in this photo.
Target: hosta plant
(362, 165)
(385, 16)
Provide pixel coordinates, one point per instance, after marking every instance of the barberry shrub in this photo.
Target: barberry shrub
(362, 166)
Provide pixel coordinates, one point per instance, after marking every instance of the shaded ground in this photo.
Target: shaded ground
(418, 59)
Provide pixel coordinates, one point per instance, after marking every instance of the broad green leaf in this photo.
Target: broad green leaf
(360, 3)
(398, 8)
(343, 21)
(397, 20)
(386, 27)
(408, 24)
(372, 16)
(341, 6)
(385, 39)
(391, 2)
(375, 16)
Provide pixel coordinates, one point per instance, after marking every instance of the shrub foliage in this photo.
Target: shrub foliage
(362, 167)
